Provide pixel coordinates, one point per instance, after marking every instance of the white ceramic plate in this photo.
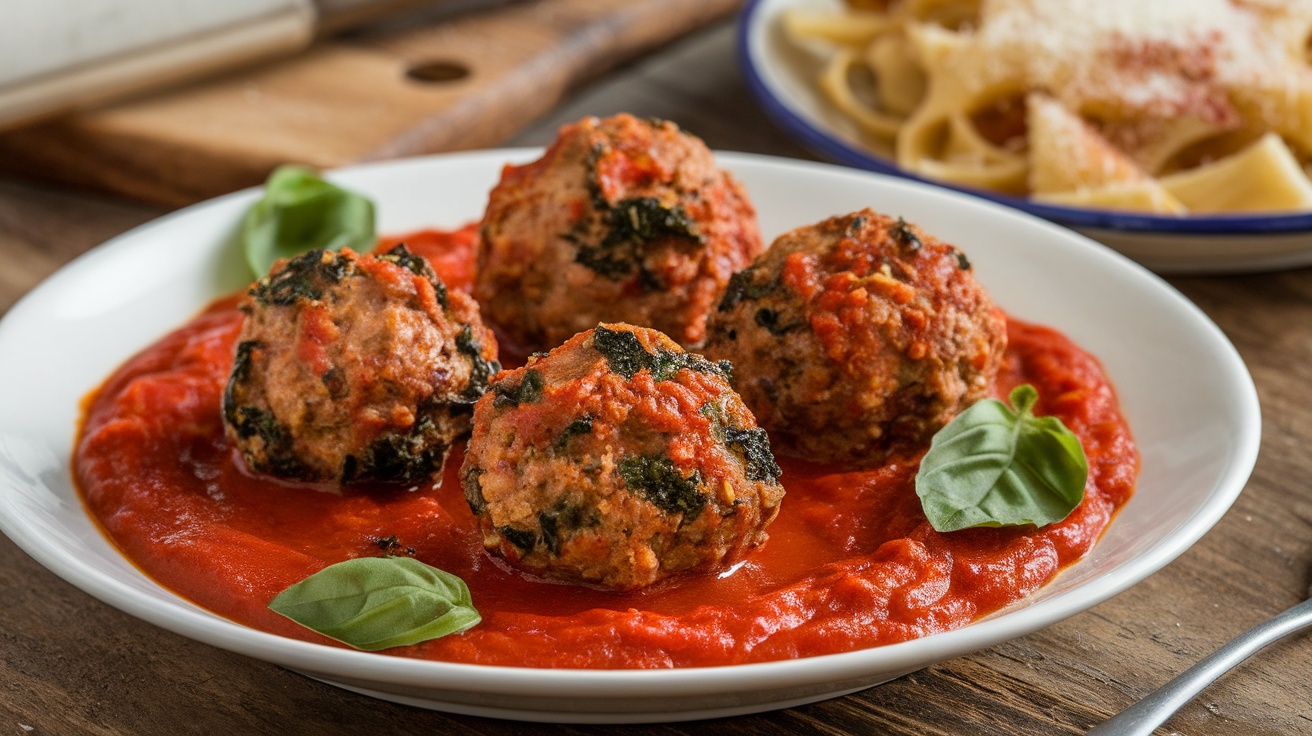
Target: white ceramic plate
(782, 76)
(1187, 395)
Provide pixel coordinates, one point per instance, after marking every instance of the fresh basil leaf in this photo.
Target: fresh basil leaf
(374, 603)
(301, 212)
(992, 466)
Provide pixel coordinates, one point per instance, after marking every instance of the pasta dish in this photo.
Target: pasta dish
(1167, 106)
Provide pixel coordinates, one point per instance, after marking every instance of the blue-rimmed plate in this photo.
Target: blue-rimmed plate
(782, 76)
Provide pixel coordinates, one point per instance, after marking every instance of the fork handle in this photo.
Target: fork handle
(1141, 718)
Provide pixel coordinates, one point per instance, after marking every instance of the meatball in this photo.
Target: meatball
(621, 220)
(355, 367)
(857, 337)
(618, 460)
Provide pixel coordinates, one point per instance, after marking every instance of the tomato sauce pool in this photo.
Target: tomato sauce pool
(851, 561)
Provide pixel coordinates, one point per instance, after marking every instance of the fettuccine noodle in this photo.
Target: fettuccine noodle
(1169, 106)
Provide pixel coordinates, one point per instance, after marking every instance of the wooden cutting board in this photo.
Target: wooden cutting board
(466, 82)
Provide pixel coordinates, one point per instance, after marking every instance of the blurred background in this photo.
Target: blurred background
(174, 102)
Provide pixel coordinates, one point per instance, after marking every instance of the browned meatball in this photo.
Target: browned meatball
(858, 336)
(622, 220)
(617, 460)
(355, 367)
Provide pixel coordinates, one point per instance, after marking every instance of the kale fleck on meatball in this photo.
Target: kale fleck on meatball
(618, 460)
(355, 367)
(621, 220)
(858, 336)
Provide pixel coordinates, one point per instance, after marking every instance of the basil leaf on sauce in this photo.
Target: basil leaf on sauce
(374, 603)
(301, 212)
(992, 466)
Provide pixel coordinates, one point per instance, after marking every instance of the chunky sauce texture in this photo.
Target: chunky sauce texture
(851, 561)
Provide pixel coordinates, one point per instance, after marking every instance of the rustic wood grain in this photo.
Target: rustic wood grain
(349, 100)
(71, 665)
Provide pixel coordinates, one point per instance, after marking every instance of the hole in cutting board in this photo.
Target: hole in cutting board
(437, 72)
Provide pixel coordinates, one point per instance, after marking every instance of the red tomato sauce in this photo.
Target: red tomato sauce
(851, 561)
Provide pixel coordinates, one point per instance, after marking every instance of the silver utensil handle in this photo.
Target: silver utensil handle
(1141, 718)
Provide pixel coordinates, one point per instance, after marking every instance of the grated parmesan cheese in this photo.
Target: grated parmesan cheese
(1114, 58)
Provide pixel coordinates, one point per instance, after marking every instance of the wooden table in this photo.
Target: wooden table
(72, 665)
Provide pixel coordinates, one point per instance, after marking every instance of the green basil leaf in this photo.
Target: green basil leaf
(992, 466)
(374, 603)
(301, 212)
